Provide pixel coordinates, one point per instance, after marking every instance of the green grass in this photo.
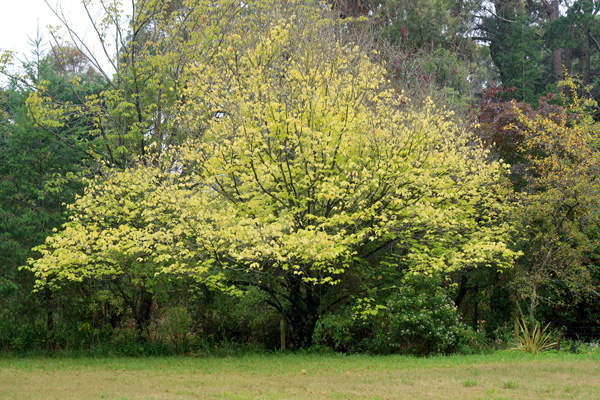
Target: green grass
(502, 375)
(511, 385)
(469, 383)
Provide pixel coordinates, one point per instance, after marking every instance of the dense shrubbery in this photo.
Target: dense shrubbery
(423, 319)
(418, 318)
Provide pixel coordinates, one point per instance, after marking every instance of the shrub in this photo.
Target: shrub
(173, 326)
(343, 331)
(535, 339)
(243, 320)
(423, 320)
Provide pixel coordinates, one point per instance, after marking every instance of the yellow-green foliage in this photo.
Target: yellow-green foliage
(312, 156)
(308, 162)
(127, 225)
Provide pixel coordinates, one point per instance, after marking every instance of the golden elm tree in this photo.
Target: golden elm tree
(307, 169)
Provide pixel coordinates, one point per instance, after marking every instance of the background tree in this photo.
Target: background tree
(530, 43)
(552, 149)
(516, 48)
(38, 175)
(147, 57)
(576, 35)
(559, 215)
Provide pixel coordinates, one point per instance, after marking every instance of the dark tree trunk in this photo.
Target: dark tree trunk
(585, 59)
(140, 302)
(51, 342)
(303, 314)
(553, 13)
(143, 314)
(557, 65)
(476, 308)
(568, 58)
(456, 13)
(462, 290)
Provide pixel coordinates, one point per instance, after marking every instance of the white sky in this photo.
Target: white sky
(20, 19)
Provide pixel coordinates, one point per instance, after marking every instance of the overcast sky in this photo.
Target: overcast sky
(20, 19)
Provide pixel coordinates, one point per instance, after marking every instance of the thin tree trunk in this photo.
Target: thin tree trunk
(557, 66)
(462, 290)
(585, 59)
(568, 58)
(51, 343)
(282, 332)
(143, 314)
(553, 13)
(456, 14)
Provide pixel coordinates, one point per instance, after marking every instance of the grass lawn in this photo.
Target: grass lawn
(502, 375)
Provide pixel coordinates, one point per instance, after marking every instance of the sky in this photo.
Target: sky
(19, 19)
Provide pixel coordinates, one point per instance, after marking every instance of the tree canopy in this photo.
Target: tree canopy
(308, 168)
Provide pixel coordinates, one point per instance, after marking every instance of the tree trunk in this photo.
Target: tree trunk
(476, 309)
(349, 8)
(456, 14)
(303, 314)
(143, 313)
(568, 58)
(51, 342)
(462, 290)
(557, 65)
(585, 58)
(282, 332)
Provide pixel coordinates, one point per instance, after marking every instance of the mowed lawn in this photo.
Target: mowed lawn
(502, 375)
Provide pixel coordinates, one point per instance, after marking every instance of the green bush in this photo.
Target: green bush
(23, 336)
(419, 319)
(333, 331)
(423, 320)
(244, 320)
(342, 331)
(172, 326)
